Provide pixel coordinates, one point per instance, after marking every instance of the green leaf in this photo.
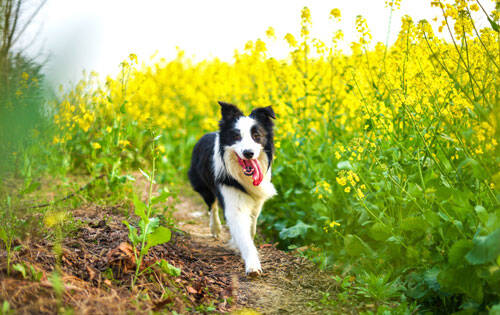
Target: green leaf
(35, 274)
(414, 225)
(57, 282)
(430, 278)
(495, 310)
(151, 225)
(344, 165)
(5, 307)
(319, 207)
(169, 269)
(299, 229)
(355, 246)
(458, 251)
(21, 269)
(132, 233)
(493, 24)
(30, 188)
(140, 208)
(462, 280)
(159, 236)
(474, 166)
(486, 249)
(444, 216)
(145, 175)
(432, 218)
(3, 235)
(379, 232)
(482, 214)
(161, 198)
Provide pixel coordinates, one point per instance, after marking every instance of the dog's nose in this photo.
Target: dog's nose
(248, 154)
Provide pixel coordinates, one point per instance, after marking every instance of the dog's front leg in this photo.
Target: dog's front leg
(255, 217)
(215, 225)
(240, 223)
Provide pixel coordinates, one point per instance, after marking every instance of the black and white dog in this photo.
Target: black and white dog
(233, 166)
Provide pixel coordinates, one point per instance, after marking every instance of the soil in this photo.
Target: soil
(96, 264)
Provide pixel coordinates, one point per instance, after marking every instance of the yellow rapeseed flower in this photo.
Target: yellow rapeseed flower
(133, 58)
(270, 33)
(123, 143)
(360, 193)
(334, 223)
(291, 40)
(306, 15)
(335, 13)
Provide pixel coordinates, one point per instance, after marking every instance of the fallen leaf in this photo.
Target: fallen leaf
(191, 290)
(91, 272)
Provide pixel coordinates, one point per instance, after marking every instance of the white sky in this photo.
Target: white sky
(99, 34)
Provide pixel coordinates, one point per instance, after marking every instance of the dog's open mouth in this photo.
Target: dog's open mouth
(251, 168)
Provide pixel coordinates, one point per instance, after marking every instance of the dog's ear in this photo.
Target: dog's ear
(263, 112)
(229, 111)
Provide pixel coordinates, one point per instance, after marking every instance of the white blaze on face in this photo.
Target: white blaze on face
(244, 125)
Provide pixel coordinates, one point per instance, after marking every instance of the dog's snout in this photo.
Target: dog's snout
(248, 154)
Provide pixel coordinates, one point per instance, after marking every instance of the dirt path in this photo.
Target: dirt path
(95, 264)
(289, 284)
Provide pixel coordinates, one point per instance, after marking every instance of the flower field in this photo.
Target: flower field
(387, 162)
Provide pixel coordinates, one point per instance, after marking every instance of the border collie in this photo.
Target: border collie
(233, 166)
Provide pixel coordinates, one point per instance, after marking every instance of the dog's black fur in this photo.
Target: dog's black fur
(202, 171)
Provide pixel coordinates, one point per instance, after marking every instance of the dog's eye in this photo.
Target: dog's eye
(256, 136)
(236, 137)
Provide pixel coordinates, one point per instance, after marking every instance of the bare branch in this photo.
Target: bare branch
(28, 22)
(14, 23)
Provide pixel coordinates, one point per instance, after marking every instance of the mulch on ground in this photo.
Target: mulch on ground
(97, 265)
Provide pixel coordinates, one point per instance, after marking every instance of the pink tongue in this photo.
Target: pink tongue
(257, 174)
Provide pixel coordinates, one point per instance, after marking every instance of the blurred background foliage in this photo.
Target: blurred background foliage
(24, 116)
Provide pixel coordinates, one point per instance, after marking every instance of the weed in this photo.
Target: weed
(28, 271)
(6, 308)
(150, 232)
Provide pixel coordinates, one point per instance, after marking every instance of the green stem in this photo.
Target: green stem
(146, 227)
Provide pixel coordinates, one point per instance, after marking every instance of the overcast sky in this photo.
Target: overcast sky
(99, 34)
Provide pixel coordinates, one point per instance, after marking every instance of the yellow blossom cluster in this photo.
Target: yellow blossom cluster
(423, 96)
(351, 181)
(323, 188)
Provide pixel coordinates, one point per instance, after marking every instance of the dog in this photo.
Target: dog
(233, 166)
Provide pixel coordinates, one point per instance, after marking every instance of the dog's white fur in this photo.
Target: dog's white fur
(244, 124)
(241, 209)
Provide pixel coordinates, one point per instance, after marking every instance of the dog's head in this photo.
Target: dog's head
(247, 137)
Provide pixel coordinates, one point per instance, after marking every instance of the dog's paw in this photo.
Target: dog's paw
(253, 268)
(215, 230)
(254, 274)
(215, 234)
